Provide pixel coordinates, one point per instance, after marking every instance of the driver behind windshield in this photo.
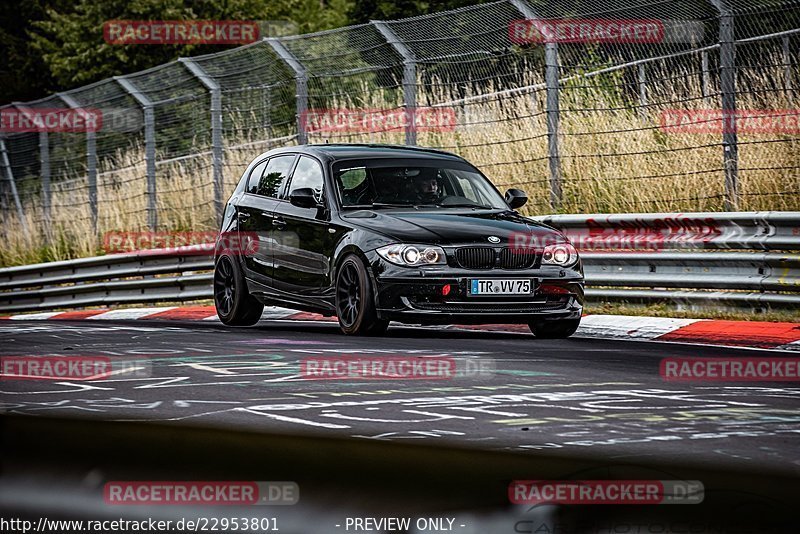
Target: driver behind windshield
(368, 183)
(427, 188)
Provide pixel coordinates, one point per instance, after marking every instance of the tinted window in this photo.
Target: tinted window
(414, 182)
(273, 178)
(255, 176)
(308, 174)
(352, 178)
(467, 189)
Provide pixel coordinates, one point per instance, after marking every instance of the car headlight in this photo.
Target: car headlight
(562, 254)
(413, 255)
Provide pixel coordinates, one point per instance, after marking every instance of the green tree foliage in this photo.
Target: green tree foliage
(54, 45)
(366, 10)
(69, 37)
(23, 72)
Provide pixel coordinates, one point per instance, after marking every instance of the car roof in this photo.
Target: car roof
(349, 151)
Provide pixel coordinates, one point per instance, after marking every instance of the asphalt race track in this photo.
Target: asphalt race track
(577, 396)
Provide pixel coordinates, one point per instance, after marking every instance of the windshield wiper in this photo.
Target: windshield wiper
(464, 205)
(416, 206)
(380, 205)
(392, 205)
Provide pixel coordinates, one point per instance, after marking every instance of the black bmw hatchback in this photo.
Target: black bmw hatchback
(379, 233)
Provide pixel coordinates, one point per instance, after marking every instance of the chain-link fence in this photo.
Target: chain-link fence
(588, 105)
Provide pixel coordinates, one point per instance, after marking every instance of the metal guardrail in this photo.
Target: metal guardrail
(746, 259)
(480, 65)
(751, 230)
(134, 278)
(689, 260)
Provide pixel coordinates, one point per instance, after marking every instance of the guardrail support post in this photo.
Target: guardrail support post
(301, 83)
(12, 184)
(727, 67)
(149, 148)
(91, 161)
(216, 130)
(552, 107)
(409, 77)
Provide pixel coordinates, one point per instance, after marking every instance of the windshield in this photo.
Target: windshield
(380, 183)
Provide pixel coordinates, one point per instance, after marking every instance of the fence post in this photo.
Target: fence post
(216, 130)
(553, 116)
(787, 65)
(727, 67)
(91, 160)
(149, 148)
(705, 88)
(642, 76)
(409, 77)
(266, 95)
(12, 184)
(301, 83)
(44, 171)
(44, 157)
(552, 107)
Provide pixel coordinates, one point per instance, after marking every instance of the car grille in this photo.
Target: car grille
(485, 307)
(475, 257)
(510, 259)
(488, 258)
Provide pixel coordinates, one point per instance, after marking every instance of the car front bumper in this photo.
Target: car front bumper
(416, 294)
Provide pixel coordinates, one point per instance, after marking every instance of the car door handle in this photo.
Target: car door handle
(279, 222)
(243, 215)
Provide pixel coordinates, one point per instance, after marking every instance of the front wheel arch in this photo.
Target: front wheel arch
(354, 250)
(232, 299)
(354, 297)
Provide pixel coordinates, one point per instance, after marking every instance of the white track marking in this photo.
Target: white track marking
(129, 313)
(35, 316)
(629, 327)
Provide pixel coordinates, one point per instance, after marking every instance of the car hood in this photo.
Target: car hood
(451, 227)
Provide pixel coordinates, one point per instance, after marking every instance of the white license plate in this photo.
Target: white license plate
(515, 286)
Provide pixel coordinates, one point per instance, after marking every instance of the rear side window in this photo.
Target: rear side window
(255, 176)
(272, 179)
(308, 173)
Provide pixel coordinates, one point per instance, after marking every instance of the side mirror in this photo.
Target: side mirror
(516, 198)
(303, 197)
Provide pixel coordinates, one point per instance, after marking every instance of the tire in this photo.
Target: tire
(554, 329)
(235, 306)
(355, 300)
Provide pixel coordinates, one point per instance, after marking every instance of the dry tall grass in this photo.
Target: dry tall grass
(613, 160)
